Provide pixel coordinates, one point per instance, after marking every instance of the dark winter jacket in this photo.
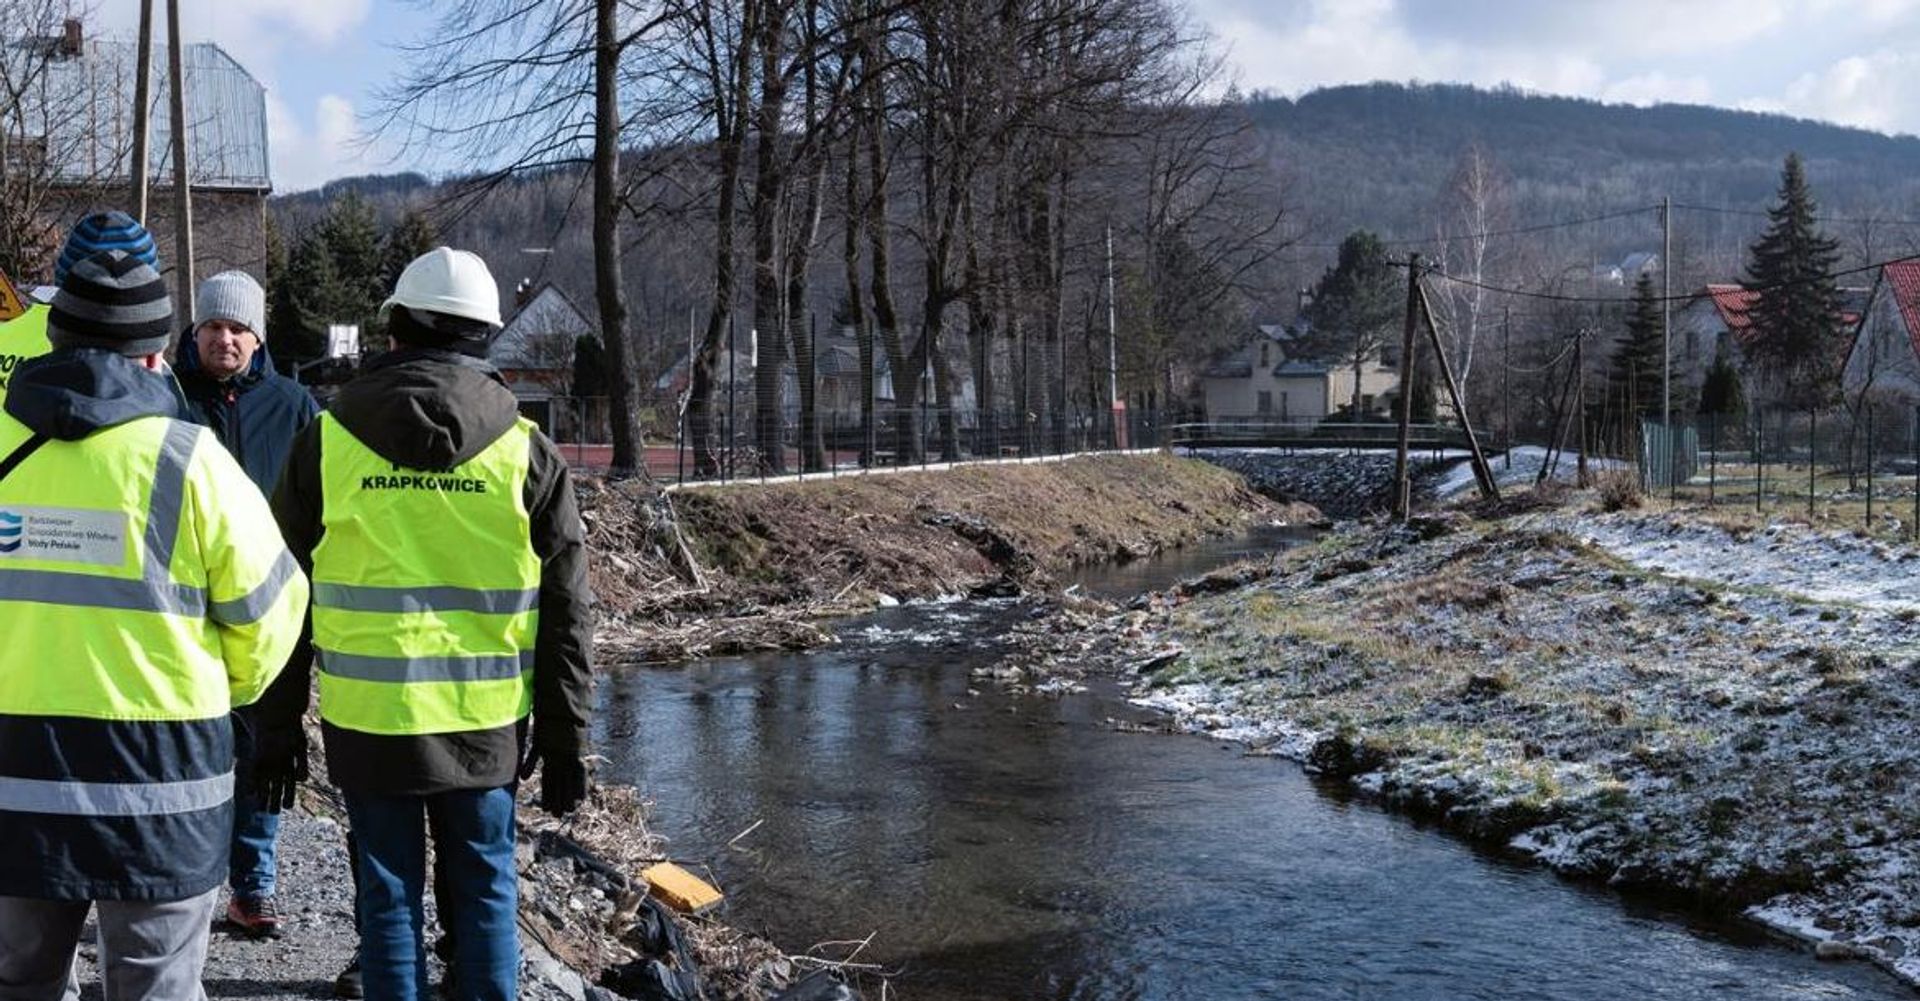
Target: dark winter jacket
(255, 414)
(432, 409)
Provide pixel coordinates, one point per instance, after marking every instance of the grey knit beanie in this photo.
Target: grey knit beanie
(113, 301)
(235, 297)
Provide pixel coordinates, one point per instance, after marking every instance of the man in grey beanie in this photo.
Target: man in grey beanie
(232, 388)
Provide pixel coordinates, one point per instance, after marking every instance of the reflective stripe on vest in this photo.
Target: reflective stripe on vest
(114, 799)
(426, 589)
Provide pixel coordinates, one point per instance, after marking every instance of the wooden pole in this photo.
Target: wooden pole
(182, 182)
(142, 111)
(1482, 473)
(1580, 409)
(1402, 485)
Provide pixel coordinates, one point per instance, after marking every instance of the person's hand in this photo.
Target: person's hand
(563, 784)
(563, 778)
(280, 765)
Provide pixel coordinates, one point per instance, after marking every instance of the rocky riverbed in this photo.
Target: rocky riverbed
(1657, 700)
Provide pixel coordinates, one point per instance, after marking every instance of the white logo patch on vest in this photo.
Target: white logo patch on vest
(64, 534)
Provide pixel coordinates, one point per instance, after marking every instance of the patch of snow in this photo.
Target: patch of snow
(1524, 467)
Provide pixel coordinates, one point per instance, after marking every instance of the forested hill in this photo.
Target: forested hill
(1379, 154)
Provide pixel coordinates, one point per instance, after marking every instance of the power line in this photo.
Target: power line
(1558, 297)
(1838, 220)
(1489, 233)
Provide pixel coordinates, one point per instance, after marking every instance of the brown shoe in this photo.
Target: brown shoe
(255, 917)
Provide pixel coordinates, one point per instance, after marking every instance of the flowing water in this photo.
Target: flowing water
(997, 845)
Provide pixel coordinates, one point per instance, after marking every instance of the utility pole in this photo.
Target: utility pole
(1482, 473)
(1506, 381)
(1666, 312)
(1402, 487)
(182, 183)
(1580, 408)
(1666, 341)
(142, 110)
(1113, 331)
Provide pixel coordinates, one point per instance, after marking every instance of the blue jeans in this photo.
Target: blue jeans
(474, 845)
(250, 868)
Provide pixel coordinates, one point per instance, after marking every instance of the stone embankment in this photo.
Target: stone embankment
(1661, 701)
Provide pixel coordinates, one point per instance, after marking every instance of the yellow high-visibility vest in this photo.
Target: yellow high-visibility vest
(21, 338)
(144, 592)
(426, 589)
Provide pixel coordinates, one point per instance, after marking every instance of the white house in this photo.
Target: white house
(1270, 379)
(1884, 362)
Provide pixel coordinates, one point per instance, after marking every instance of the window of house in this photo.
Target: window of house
(1283, 406)
(1266, 402)
(1263, 355)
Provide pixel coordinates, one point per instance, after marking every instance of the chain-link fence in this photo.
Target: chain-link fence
(732, 443)
(1855, 467)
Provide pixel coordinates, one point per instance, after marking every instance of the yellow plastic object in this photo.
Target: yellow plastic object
(680, 889)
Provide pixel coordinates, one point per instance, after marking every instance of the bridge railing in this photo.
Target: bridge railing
(1262, 432)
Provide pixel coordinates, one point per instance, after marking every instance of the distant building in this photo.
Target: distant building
(1269, 378)
(1714, 324)
(1884, 360)
(1628, 270)
(534, 353)
(80, 122)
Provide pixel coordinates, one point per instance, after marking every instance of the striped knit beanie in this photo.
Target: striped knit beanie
(113, 301)
(105, 231)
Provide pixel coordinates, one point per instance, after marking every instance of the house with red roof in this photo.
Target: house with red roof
(1714, 323)
(1884, 363)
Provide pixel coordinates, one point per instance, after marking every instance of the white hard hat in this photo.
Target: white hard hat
(444, 280)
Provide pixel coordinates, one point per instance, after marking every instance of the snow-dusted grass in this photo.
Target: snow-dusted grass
(1520, 472)
(1647, 699)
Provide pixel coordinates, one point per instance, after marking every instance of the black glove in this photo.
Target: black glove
(563, 779)
(279, 766)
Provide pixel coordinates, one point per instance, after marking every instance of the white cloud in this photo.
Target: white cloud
(1879, 90)
(1320, 42)
(307, 157)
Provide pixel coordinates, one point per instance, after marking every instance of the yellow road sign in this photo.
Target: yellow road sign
(11, 305)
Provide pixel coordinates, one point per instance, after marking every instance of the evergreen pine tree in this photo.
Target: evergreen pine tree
(1797, 339)
(1634, 384)
(414, 234)
(1720, 393)
(1355, 306)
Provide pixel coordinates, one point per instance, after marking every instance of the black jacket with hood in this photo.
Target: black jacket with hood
(435, 409)
(255, 413)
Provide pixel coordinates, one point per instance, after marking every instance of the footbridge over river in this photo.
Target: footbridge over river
(1294, 434)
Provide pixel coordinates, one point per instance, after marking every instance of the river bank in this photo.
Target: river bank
(1661, 701)
(727, 569)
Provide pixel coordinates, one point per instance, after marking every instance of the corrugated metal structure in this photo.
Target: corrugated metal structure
(87, 102)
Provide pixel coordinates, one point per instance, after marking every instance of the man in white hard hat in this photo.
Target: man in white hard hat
(451, 623)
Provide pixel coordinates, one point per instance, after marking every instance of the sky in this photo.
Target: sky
(1855, 62)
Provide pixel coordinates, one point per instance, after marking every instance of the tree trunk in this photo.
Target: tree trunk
(609, 295)
(730, 89)
(769, 319)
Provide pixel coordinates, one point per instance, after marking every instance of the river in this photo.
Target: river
(999, 845)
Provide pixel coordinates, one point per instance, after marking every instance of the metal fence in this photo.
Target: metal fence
(1858, 467)
(731, 444)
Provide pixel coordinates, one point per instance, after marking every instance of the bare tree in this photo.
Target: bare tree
(520, 88)
(1472, 205)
